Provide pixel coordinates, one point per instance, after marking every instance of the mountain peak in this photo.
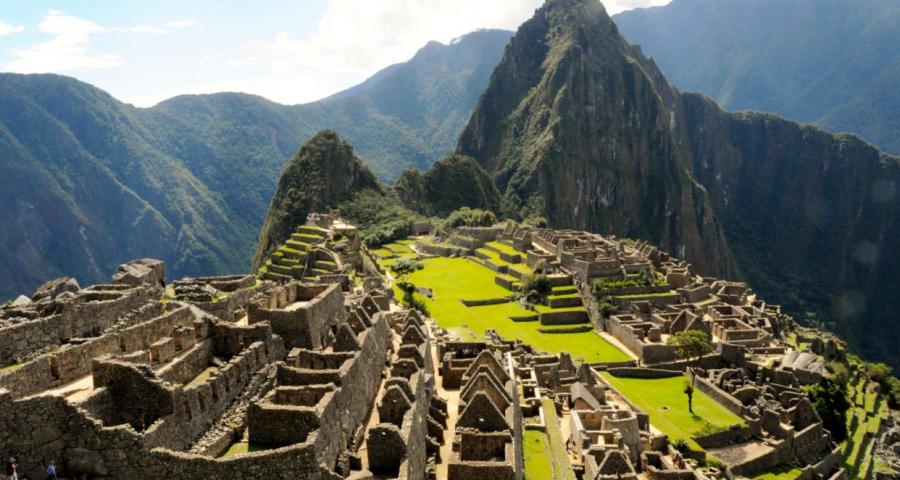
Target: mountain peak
(324, 173)
(570, 95)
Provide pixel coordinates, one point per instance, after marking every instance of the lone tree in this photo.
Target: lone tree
(829, 398)
(402, 269)
(691, 345)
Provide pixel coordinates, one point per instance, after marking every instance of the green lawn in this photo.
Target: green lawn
(559, 457)
(242, 447)
(504, 248)
(537, 455)
(664, 400)
(782, 472)
(453, 279)
(201, 378)
(518, 268)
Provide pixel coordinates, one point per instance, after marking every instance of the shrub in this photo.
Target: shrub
(403, 268)
(468, 217)
(420, 305)
(714, 462)
(682, 446)
(535, 287)
(535, 221)
(830, 401)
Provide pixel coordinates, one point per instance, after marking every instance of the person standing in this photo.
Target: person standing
(51, 472)
(11, 468)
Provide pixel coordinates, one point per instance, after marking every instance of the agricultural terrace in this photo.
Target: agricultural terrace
(867, 411)
(454, 279)
(664, 400)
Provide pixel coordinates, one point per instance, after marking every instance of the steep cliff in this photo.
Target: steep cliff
(453, 182)
(812, 217)
(833, 63)
(575, 128)
(322, 175)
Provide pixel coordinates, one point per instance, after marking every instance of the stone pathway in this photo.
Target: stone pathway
(452, 397)
(621, 346)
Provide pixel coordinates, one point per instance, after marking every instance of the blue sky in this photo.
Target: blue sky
(143, 52)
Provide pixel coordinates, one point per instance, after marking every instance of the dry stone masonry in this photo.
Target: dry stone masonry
(220, 377)
(311, 370)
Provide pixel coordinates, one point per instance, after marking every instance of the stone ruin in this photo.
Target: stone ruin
(135, 379)
(654, 296)
(301, 373)
(323, 250)
(488, 440)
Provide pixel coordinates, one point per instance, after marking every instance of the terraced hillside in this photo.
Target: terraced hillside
(306, 256)
(473, 293)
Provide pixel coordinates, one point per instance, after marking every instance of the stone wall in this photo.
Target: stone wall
(91, 312)
(722, 397)
(641, 372)
(307, 326)
(74, 360)
(566, 317)
(34, 429)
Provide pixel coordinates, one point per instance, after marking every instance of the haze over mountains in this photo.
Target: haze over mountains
(833, 63)
(88, 182)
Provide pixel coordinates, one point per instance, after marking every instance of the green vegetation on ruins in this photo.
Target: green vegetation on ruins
(537, 454)
(865, 413)
(454, 279)
(559, 458)
(782, 472)
(664, 400)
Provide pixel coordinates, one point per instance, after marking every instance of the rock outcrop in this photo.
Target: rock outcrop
(324, 173)
(575, 126)
(454, 182)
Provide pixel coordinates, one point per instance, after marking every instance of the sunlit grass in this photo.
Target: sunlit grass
(664, 400)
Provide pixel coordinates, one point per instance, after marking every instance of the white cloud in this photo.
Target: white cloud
(181, 23)
(616, 6)
(355, 36)
(67, 50)
(7, 29)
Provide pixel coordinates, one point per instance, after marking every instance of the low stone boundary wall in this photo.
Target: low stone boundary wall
(493, 266)
(610, 365)
(728, 437)
(441, 250)
(229, 283)
(466, 242)
(485, 301)
(578, 329)
(564, 318)
(560, 280)
(505, 282)
(643, 372)
(637, 290)
(564, 302)
(655, 299)
(722, 397)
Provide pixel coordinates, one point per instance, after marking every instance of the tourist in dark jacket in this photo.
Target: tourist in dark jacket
(11, 468)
